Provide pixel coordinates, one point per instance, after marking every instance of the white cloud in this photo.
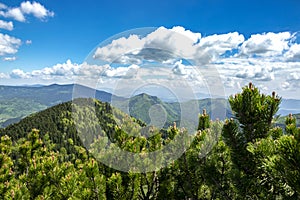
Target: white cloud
(179, 68)
(187, 73)
(134, 48)
(294, 76)
(231, 82)
(36, 9)
(8, 44)
(9, 58)
(14, 13)
(3, 75)
(257, 73)
(121, 72)
(293, 54)
(73, 71)
(66, 70)
(195, 37)
(164, 44)
(170, 43)
(91, 71)
(211, 47)
(19, 74)
(267, 44)
(2, 6)
(292, 81)
(285, 85)
(117, 50)
(234, 72)
(222, 42)
(26, 8)
(6, 25)
(70, 70)
(270, 60)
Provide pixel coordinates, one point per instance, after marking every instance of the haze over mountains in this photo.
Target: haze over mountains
(16, 102)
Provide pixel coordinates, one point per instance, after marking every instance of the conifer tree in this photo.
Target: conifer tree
(253, 116)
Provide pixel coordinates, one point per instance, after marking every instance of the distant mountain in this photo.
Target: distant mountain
(50, 95)
(34, 85)
(288, 106)
(150, 109)
(17, 102)
(153, 110)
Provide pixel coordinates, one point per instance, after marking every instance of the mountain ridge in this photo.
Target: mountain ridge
(16, 102)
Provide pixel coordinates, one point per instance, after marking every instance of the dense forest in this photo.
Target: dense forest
(45, 155)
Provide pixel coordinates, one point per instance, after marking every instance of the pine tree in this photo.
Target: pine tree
(253, 116)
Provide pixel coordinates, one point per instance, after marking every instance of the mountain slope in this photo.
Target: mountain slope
(16, 102)
(288, 106)
(151, 110)
(62, 122)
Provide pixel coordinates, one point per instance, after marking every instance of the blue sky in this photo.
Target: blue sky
(55, 31)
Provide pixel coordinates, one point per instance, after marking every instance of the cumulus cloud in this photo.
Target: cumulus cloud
(67, 70)
(19, 74)
(160, 45)
(70, 70)
(211, 47)
(179, 68)
(267, 44)
(8, 44)
(270, 60)
(256, 73)
(36, 9)
(117, 50)
(195, 37)
(26, 8)
(121, 72)
(14, 13)
(174, 42)
(6, 25)
(187, 73)
(164, 44)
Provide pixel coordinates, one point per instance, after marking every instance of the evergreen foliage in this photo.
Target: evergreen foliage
(45, 157)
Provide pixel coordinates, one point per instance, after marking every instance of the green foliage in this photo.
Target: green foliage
(281, 120)
(204, 122)
(254, 111)
(55, 154)
(265, 158)
(13, 110)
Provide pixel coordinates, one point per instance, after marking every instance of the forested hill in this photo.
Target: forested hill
(17, 102)
(58, 121)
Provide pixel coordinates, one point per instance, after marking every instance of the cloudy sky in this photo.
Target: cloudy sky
(191, 44)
